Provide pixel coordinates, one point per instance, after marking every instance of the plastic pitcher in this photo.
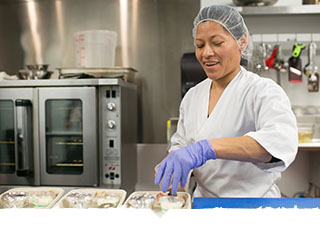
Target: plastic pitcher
(95, 48)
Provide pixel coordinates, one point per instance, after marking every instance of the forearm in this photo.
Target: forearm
(242, 148)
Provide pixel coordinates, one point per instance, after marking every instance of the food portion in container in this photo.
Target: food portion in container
(14, 200)
(78, 200)
(28, 199)
(92, 199)
(106, 200)
(142, 200)
(168, 202)
(158, 201)
(42, 199)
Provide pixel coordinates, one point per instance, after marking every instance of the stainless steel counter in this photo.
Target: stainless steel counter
(61, 83)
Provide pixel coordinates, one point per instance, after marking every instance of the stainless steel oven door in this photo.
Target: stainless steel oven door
(19, 160)
(68, 136)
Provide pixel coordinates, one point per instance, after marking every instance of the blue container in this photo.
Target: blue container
(253, 203)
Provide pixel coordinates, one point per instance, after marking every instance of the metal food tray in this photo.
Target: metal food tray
(59, 194)
(127, 74)
(156, 207)
(121, 193)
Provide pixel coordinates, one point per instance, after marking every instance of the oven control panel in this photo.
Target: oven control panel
(111, 136)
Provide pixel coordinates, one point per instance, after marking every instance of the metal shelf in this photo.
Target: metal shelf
(7, 164)
(70, 143)
(6, 142)
(64, 133)
(69, 164)
(279, 10)
(312, 146)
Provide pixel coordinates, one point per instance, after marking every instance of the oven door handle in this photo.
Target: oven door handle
(23, 136)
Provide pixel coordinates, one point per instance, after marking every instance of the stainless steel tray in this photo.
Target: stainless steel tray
(127, 74)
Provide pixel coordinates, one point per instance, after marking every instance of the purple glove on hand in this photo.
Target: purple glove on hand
(180, 162)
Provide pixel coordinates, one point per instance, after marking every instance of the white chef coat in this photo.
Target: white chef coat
(250, 105)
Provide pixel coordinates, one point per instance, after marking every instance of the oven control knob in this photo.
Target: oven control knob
(111, 106)
(111, 124)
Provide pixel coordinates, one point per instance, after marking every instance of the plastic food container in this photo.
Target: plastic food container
(160, 203)
(92, 198)
(95, 48)
(31, 197)
(305, 132)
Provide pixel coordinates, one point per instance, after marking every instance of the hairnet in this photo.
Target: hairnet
(232, 21)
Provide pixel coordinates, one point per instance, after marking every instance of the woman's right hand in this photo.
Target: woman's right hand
(178, 164)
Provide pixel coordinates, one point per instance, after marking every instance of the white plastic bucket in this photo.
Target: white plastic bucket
(95, 48)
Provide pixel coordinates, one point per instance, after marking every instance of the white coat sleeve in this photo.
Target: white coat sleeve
(276, 126)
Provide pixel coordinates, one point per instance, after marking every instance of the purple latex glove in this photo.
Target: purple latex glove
(180, 162)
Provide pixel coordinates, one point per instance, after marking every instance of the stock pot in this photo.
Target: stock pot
(254, 2)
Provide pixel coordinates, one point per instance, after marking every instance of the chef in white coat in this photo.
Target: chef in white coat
(236, 130)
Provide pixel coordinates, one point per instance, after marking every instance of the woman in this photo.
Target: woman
(236, 130)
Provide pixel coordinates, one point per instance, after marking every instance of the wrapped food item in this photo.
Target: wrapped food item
(15, 199)
(143, 200)
(168, 202)
(41, 199)
(79, 199)
(106, 200)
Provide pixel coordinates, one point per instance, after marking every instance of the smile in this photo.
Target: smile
(211, 64)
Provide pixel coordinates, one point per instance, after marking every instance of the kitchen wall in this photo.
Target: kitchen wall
(152, 37)
(305, 168)
(293, 24)
(295, 180)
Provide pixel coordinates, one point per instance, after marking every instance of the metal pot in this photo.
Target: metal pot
(35, 72)
(306, 2)
(42, 67)
(254, 2)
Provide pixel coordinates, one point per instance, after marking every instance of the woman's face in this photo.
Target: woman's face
(217, 51)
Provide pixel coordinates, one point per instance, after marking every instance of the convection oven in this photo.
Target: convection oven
(71, 132)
